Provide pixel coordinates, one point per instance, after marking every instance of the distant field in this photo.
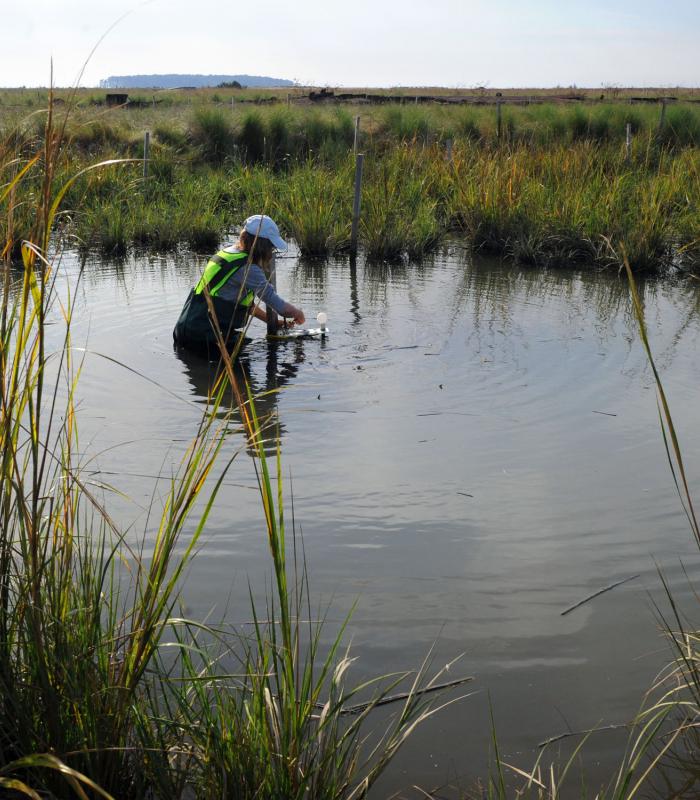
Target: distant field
(430, 113)
(27, 98)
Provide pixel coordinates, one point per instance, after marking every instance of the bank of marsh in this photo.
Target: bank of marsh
(560, 186)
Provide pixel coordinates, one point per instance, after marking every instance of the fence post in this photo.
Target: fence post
(146, 149)
(448, 151)
(499, 120)
(269, 310)
(359, 160)
(662, 119)
(356, 140)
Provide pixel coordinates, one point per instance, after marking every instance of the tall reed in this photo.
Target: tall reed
(76, 642)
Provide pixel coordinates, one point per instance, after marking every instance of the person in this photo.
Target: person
(234, 277)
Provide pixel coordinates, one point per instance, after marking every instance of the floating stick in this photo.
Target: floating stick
(600, 591)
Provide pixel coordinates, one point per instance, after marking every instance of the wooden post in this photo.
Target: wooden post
(359, 160)
(499, 120)
(662, 120)
(356, 141)
(628, 141)
(289, 99)
(448, 151)
(146, 149)
(270, 311)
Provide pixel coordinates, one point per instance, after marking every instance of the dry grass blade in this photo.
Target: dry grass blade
(47, 761)
(395, 698)
(673, 450)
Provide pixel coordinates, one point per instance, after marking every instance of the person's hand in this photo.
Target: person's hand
(284, 323)
(299, 317)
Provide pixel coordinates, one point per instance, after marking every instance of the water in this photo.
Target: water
(472, 449)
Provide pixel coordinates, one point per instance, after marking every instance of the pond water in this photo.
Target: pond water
(473, 449)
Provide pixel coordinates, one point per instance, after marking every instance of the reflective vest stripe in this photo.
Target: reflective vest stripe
(221, 260)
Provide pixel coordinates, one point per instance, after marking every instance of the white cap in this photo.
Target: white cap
(261, 225)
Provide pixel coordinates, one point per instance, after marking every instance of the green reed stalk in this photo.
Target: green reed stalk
(668, 430)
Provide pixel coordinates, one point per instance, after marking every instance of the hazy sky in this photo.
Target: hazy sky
(457, 43)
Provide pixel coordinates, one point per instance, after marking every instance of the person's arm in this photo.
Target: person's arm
(294, 313)
(256, 280)
(259, 313)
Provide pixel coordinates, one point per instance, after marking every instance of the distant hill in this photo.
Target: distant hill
(198, 81)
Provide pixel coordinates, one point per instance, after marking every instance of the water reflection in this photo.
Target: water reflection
(354, 298)
(261, 369)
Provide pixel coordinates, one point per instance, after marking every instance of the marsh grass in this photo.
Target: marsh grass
(562, 205)
(98, 136)
(177, 140)
(251, 138)
(313, 208)
(76, 641)
(400, 209)
(213, 135)
(552, 192)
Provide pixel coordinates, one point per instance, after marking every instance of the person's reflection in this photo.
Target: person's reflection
(281, 362)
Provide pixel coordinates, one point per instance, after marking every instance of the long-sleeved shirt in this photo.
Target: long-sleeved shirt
(251, 276)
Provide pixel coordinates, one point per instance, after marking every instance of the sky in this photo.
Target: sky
(452, 43)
